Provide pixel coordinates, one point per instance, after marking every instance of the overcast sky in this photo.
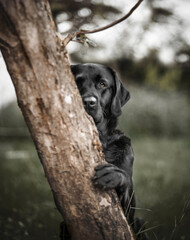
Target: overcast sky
(156, 36)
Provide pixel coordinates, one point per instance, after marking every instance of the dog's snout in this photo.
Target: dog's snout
(89, 102)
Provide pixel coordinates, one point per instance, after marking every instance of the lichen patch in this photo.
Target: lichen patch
(104, 202)
(68, 99)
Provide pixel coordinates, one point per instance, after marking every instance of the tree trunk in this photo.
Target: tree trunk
(64, 135)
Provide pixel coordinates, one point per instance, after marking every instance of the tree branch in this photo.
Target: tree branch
(70, 36)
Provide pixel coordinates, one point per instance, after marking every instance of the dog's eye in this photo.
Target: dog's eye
(101, 84)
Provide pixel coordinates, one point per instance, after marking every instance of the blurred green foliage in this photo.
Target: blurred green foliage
(151, 72)
(166, 81)
(6, 116)
(157, 113)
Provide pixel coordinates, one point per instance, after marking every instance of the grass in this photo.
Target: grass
(27, 209)
(159, 125)
(161, 179)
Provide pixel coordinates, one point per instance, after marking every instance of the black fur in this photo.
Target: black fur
(103, 95)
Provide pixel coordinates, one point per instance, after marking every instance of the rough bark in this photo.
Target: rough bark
(64, 135)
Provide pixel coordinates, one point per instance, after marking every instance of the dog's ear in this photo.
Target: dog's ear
(120, 95)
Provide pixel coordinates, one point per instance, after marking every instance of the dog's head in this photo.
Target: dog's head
(102, 92)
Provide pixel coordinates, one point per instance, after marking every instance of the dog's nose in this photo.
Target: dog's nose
(89, 102)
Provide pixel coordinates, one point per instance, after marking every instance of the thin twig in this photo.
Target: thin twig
(154, 235)
(148, 229)
(70, 36)
(144, 209)
(128, 206)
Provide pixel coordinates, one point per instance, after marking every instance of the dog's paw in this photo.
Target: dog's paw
(109, 176)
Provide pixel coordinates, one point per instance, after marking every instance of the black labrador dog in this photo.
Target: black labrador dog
(103, 95)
